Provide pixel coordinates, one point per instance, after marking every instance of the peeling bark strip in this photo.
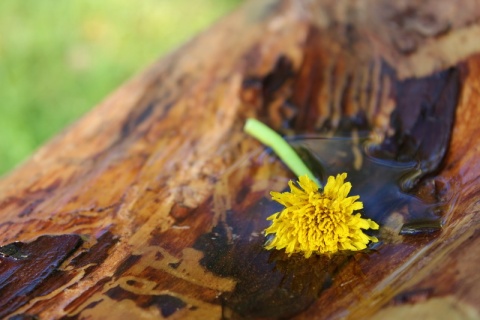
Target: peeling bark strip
(170, 197)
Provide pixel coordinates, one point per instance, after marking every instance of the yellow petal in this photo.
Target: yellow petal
(319, 222)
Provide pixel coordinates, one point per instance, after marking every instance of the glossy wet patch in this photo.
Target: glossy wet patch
(31, 269)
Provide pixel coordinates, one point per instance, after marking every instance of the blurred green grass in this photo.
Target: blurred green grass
(60, 58)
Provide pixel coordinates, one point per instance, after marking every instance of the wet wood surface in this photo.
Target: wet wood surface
(153, 204)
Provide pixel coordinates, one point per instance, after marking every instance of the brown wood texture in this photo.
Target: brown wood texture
(153, 204)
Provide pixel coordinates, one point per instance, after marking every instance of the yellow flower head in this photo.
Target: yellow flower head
(319, 222)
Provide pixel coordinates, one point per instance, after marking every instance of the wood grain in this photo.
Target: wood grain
(153, 204)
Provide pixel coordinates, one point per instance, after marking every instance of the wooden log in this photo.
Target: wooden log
(153, 204)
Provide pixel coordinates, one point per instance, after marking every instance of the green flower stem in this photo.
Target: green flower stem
(283, 150)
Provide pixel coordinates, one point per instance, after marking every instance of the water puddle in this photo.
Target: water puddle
(270, 284)
(384, 185)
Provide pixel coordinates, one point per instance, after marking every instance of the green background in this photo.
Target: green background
(59, 58)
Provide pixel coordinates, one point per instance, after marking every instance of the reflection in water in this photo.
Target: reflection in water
(381, 183)
(273, 285)
(270, 284)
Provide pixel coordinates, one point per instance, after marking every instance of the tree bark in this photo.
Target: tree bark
(153, 204)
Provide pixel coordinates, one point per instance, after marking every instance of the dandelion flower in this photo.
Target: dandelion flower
(319, 222)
